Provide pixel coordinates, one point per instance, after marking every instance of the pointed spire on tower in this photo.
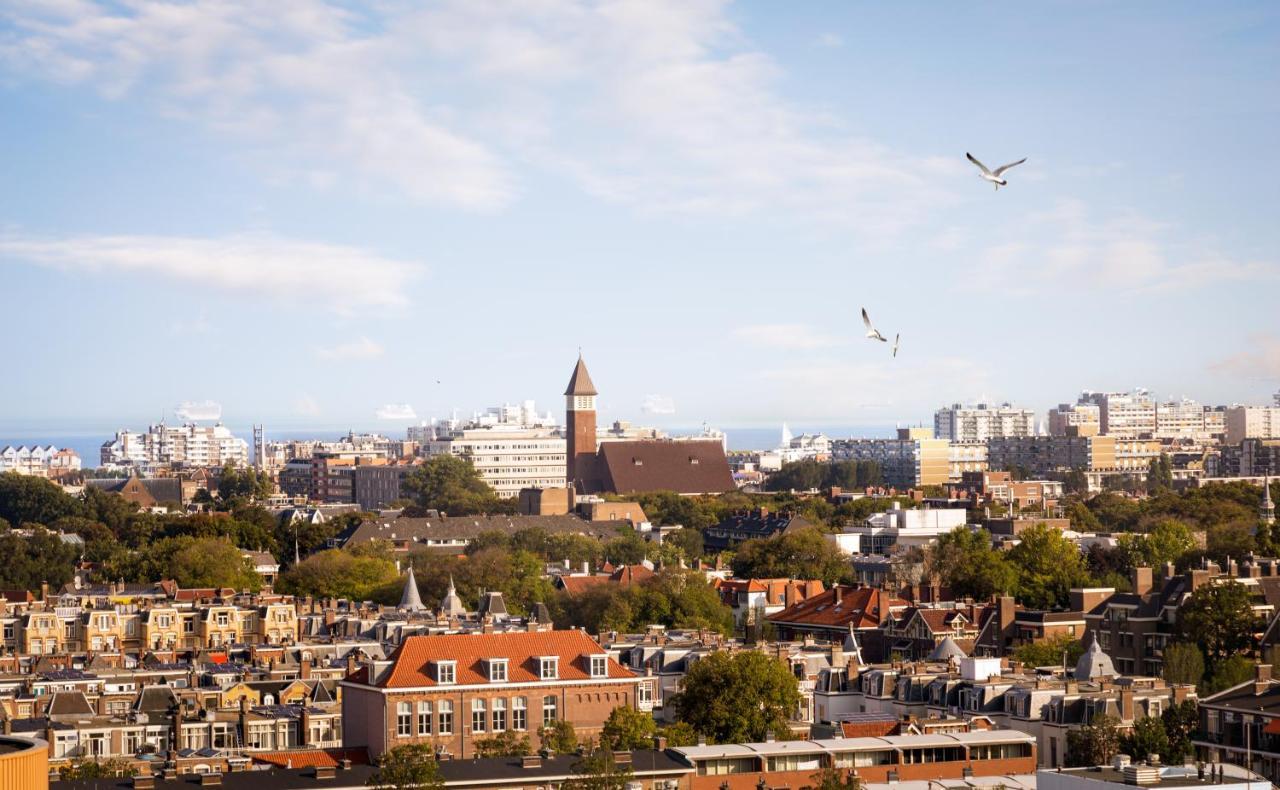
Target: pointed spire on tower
(410, 600)
(580, 382)
(452, 605)
(1268, 509)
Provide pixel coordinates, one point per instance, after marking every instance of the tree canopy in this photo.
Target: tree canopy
(336, 573)
(452, 485)
(738, 697)
(966, 562)
(408, 767)
(1220, 619)
(801, 554)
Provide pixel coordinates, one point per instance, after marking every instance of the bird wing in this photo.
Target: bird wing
(866, 320)
(981, 166)
(896, 338)
(1000, 170)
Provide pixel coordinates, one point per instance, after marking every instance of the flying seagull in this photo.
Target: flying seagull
(872, 332)
(994, 176)
(896, 338)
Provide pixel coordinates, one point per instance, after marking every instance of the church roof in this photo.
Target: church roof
(946, 650)
(580, 382)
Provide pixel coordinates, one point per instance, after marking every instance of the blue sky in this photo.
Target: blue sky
(305, 210)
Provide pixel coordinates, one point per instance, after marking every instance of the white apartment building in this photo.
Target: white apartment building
(966, 457)
(884, 533)
(913, 459)
(1187, 419)
(186, 445)
(1252, 422)
(512, 447)
(39, 461)
(958, 423)
(1124, 415)
(1082, 419)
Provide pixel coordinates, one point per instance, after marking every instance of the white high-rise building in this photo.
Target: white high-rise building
(1252, 422)
(512, 447)
(186, 445)
(1187, 419)
(958, 423)
(1125, 415)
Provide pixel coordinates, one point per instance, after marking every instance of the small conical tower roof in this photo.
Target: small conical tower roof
(410, 601)
(946, 650)
(580, 382)
(452, 606)
(1094, 663)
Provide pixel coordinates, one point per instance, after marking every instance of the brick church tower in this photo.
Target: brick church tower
(580, 426)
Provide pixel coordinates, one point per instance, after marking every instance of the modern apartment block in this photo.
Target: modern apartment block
(911, 460)
(1188, 420)
(1252, 422)
(1124, 415)
(1075, 419)
(1043, 455)
(186, 445)
(959, 423)
(508, 458)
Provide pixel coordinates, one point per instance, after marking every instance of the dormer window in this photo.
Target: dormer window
(446, 672)
(599, 666)
(549, 667)
(497, 670)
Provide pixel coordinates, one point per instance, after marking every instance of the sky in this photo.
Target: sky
(320, 213)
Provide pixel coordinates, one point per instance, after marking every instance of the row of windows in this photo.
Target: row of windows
(486, 716)
(859, 759)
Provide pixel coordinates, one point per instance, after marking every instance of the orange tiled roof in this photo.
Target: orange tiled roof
(859, 607)
(412, 663)
(307, 758)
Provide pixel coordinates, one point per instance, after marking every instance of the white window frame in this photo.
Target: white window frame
(599, 666)
(498, 670)
(549, 668)
(446, 672)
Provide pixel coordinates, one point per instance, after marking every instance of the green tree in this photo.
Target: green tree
(210, 562)
(739, 697)
(29, 561)
(1230, 539)
(802, 554)
(508, 743)
(680, 733)
(108, 508)
(1181, 723)
(1048, 566)
(598, 770)
(1146, 738)
(1218, 618)
(1095, 743)
(1160, 474)
(243, 484)
(408, 767)
(1183, 663)
(83, 770)
(1049, 652)
(1230, 671)
(966, 563)
(1075, 482)
(27, 499)
(452, 485)
(559, 737)
(339, 574)
(627, 728)
(830, 778)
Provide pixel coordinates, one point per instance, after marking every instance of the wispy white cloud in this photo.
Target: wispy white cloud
(663, 105)
(658, 404)
(307, 82)
(395, 411)
(198, 410)
(1258, 360)
(831, 40)
(339, 277)
(1069, 245)
(359, 348)
(794, 337)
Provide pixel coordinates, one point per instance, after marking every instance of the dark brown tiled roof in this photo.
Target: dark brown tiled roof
(580, 381)
(858, 608)
(686, 467)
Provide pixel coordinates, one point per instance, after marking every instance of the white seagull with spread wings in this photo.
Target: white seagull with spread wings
(872, 332)
(994, 176)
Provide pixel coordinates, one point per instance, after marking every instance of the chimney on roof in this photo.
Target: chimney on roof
(1142, 581)
(1261, 678)
(1127, 706)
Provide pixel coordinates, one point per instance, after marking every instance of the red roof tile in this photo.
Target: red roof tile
(859, 607)
(307, 758)
(412, 663)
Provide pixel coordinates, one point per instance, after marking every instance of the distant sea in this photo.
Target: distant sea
(87, 442)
